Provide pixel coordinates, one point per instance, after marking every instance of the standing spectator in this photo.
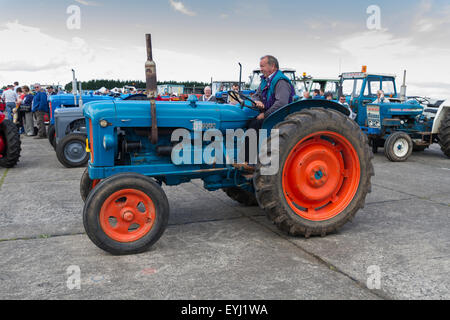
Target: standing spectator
(18, 114)
(316, 94)
(26, 109)
(343, 101)
(50, 92)
(329, 96)
(10, 98)
(306, 95)
(40, 109)
(16, 86)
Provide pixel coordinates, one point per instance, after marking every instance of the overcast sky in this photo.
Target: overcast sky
(199, 39)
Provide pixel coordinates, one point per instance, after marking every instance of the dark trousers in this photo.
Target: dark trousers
(40, 123)
(256, 125)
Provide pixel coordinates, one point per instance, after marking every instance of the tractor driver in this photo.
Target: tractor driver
(275, 91)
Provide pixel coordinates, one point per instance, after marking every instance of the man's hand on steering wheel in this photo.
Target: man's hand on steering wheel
(238, 96)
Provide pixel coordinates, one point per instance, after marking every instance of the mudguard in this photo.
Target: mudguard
(297, 106)
(440, 116)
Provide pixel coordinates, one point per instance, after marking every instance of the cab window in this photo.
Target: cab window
(388, 88)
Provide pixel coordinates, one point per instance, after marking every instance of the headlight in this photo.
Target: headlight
(103, 123)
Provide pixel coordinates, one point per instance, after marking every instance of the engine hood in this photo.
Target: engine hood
(169, 114)
(409, 108)
(68, 99)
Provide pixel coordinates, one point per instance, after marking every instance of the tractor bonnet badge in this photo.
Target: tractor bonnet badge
(200, 126)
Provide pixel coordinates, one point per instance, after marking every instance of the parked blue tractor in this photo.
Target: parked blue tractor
(69, 131)
(398, 123)
(319, 183)
(67, 101)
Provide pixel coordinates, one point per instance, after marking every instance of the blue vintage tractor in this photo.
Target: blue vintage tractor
(67, 101)
(69, 130)
(398, 123)
(319, 183)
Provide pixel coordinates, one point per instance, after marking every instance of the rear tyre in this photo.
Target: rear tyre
(87, 184)
(242, 196)
(126, 214)
(419, 148)
(71, 151)
(52, 136)
(9, 144)
(324, 173)
(444, 134)
(398, 147)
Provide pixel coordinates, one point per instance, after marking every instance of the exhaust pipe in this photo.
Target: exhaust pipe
(403, 88)
(152, 91)
(80, 104)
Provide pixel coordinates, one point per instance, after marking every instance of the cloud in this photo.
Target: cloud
(385, 53)
(179, 6)
(51, 59)
(88, 3)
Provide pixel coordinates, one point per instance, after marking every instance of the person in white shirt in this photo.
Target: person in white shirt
(10, 98)
(380, 97)
(208, 95)
(343, 101)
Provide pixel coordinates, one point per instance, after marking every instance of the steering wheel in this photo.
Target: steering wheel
(422, 100)
(239, 96)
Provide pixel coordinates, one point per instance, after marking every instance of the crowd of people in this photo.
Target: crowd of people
(27, 107)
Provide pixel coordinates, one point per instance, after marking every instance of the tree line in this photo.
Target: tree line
(110, 84)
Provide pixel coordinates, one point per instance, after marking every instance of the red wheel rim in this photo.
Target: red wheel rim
(321, 176)
(127, 215)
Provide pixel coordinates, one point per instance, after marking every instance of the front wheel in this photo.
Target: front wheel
(71, 151)
(398, 147)
(126, 214)
(86, 185)
(324, 173)
(52, 135)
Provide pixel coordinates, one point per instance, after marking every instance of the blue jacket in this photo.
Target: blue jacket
(267, 89)
(40, 102)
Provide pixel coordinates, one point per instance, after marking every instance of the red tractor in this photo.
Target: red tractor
(9, 143)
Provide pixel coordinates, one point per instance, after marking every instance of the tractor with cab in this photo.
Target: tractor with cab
(398, 123)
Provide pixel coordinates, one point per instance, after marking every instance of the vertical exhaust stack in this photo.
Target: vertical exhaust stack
(74, 87)
(240, 77)
(403, 88)
(81, 104)
(152, 91)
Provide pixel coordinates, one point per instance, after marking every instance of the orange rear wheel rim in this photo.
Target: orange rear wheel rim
(321, 176)
(127, 215)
